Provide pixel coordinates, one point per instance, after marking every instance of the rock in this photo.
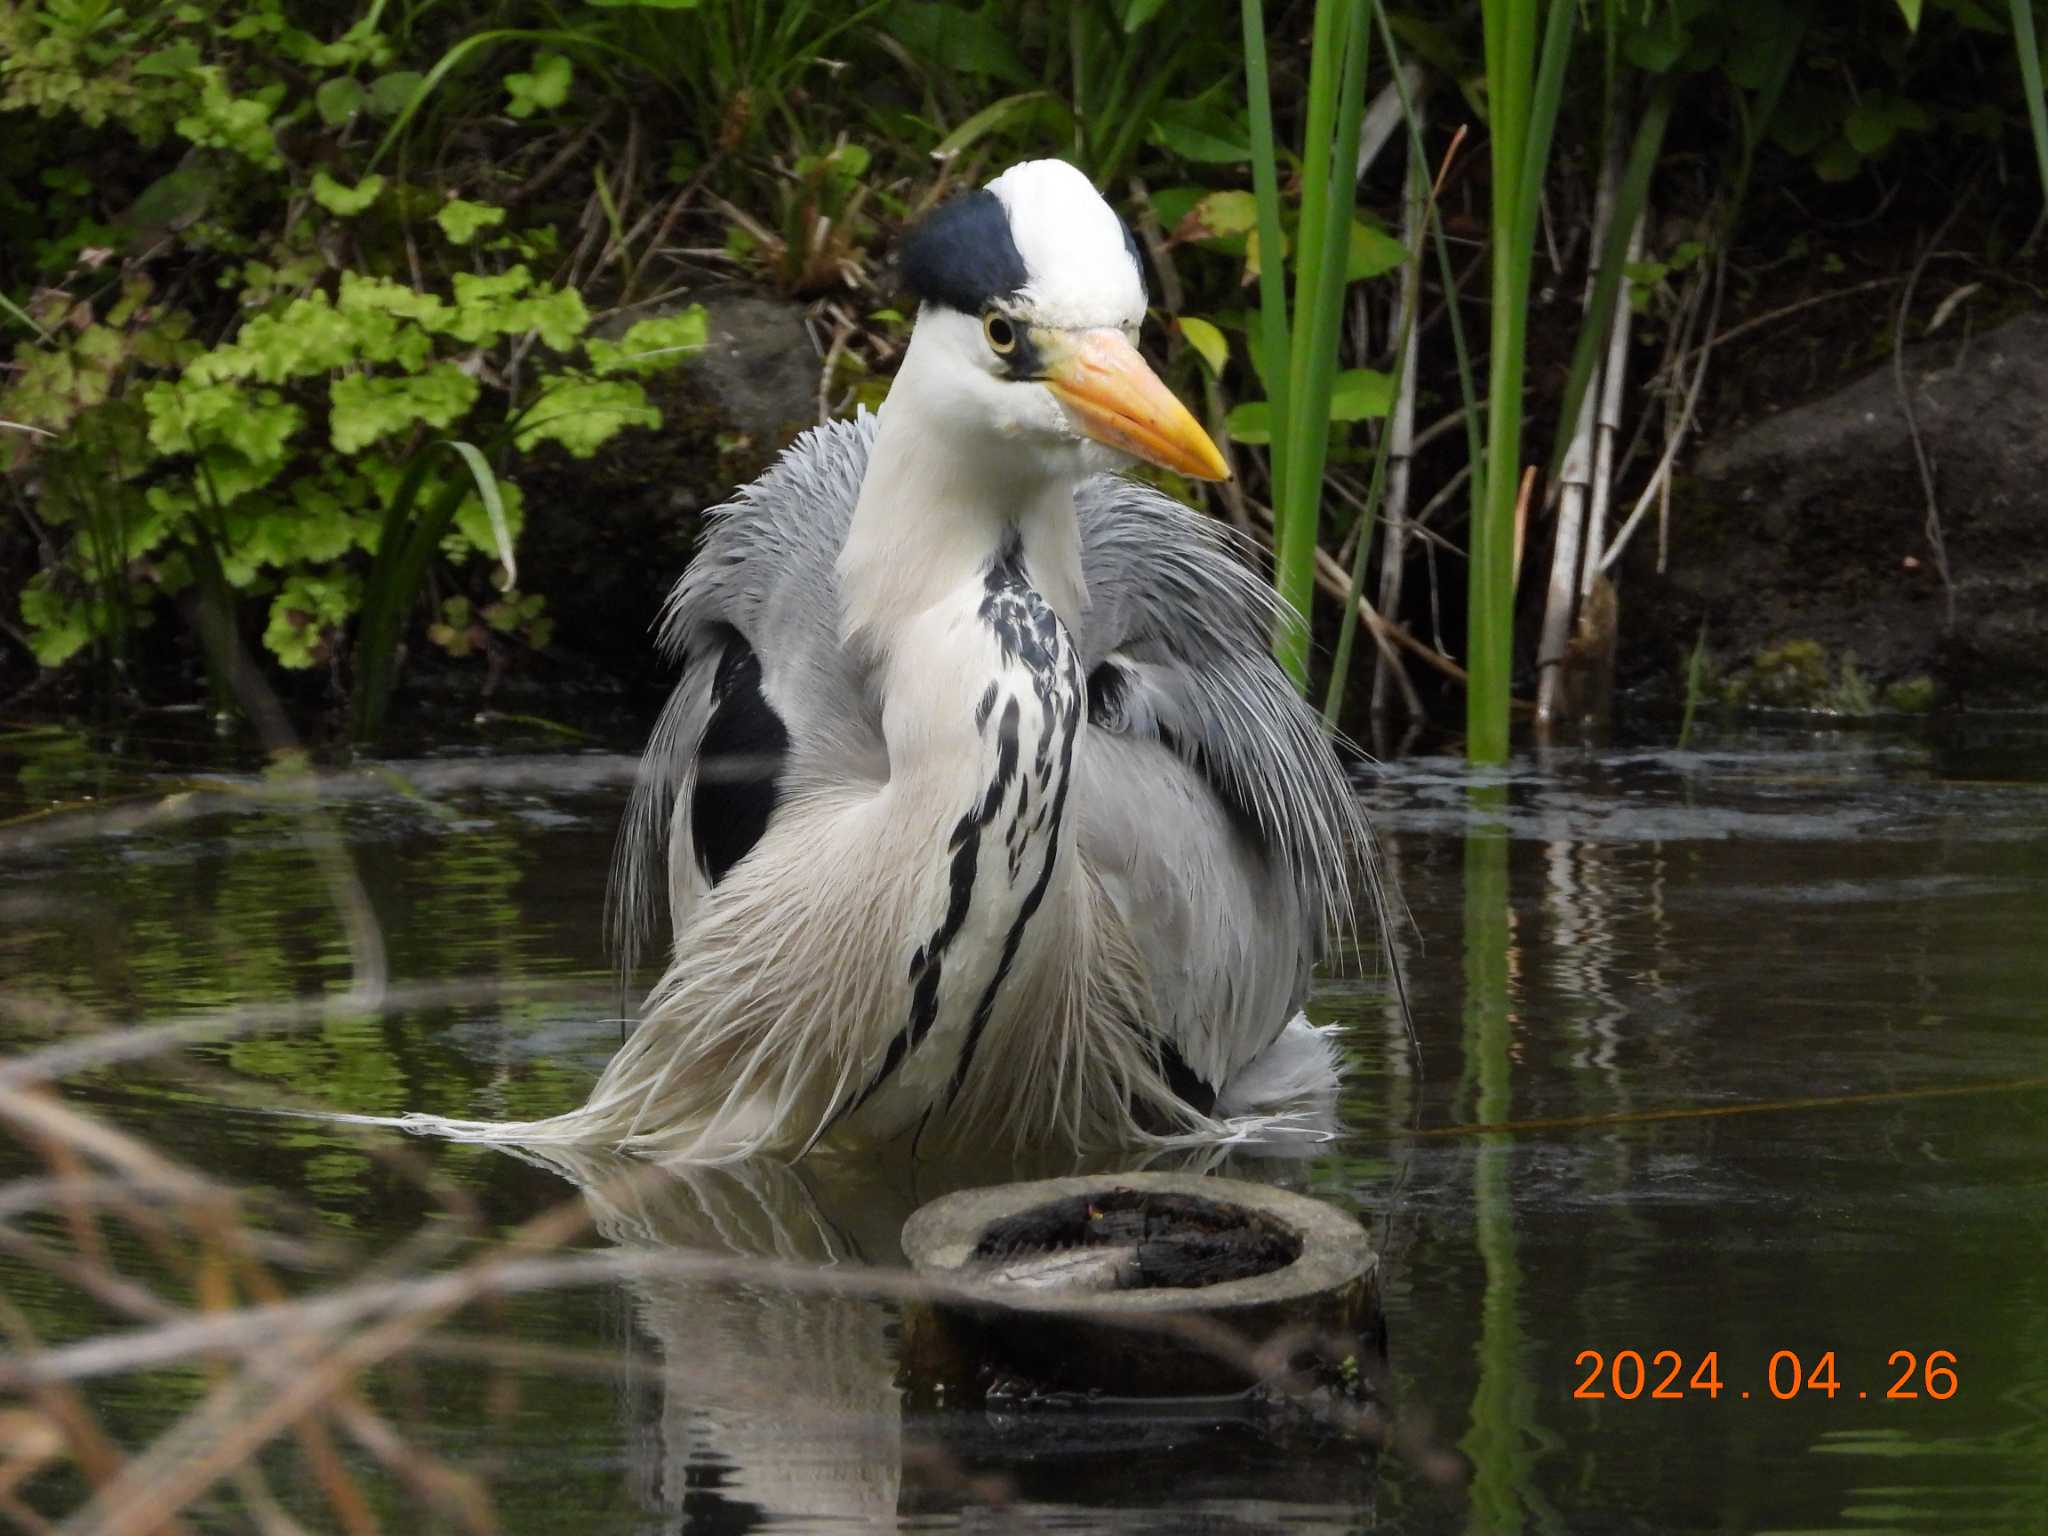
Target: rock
(1809, 528)
(625, 523)
(761, 368)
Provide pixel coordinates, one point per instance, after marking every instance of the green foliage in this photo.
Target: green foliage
(463, 221)
(541, 89)
(1300, 344)
(261, 260)
(1798, 675)
(273, 463)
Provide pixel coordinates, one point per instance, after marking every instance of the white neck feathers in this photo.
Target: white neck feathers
(941, 498)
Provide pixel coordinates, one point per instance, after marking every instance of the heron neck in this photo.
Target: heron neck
(935, 512)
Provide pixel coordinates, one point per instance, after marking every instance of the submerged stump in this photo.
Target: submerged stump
(1141, 1285)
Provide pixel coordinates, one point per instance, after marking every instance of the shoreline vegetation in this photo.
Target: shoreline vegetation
(346, 345)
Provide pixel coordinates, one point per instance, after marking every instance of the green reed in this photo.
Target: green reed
(1522, 97)
(1301, 347)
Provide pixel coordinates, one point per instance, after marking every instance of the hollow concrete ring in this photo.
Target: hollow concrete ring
(1318, 1309)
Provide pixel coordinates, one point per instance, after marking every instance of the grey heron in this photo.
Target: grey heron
(981, 810)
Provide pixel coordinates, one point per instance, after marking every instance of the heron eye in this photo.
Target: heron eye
(1001, 334)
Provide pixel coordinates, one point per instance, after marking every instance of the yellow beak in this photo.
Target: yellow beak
(1113, 397)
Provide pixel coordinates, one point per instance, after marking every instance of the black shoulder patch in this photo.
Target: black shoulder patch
(1107, 686)
(961, 255)
(737, 763)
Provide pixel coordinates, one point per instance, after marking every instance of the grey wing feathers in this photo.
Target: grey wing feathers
(1179, 614)
(1188, 622)
(764, 572)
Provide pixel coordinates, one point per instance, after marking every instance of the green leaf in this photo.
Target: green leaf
(1171, 204)
(650, 346)
(1910, 9)
(481, 529)
(498, 529)
(308, 336)
(339, 100)
(975, 43)
(583, 414)
(185, 417)
(1658, 44)
(461, 221)
(170, 63)
(225, 475)
(1200, 133)
(391, 94)
(1361, 394)
(1838, 161)
(238, 124)
(482, 314)
(543, 88)
(1219, 216)
(1209, 342)
(1877, 119)
(324, 528)
(308, 608)
(361, 294)
(337, 199)
(58, 628)
(1041, 109)
(365, 407)
(1251, 422)
(176, 200)
(1136, 13)
(1373, 252)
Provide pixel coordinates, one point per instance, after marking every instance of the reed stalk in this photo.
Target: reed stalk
(1607, 297)
(1401, 425)
(1301, 373)
(2030, 75)
(1574, 478)
(1607, 429)
(414, 525)
(1523, 98)
(1409, 303)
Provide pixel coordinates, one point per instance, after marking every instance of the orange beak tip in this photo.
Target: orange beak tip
(1114, 397)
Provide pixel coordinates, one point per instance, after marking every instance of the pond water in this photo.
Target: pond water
(1735, 1058)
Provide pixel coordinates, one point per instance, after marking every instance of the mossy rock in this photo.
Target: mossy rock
(1803, 536)
(1800, 675)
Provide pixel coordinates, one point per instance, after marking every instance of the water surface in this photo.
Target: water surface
(1737, 1051)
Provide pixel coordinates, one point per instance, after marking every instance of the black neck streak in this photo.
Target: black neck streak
(1017, 812)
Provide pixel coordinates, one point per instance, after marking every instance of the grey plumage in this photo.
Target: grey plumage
(1206, 722)
(980, 810)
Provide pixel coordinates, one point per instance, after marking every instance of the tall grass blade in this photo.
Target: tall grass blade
(1389, 670)
(1347, 621)
(407, 543)
(1629, 197)
(1524, 105)
(1328, 197)
(20, 316)
(1273, 328)
(453, 58)
(2030, 74)
(487, 491)
(1447, 274)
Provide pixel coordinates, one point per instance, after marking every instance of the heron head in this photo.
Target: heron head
(1031, 295)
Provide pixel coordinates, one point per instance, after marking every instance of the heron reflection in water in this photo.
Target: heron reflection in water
(750, 1403)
